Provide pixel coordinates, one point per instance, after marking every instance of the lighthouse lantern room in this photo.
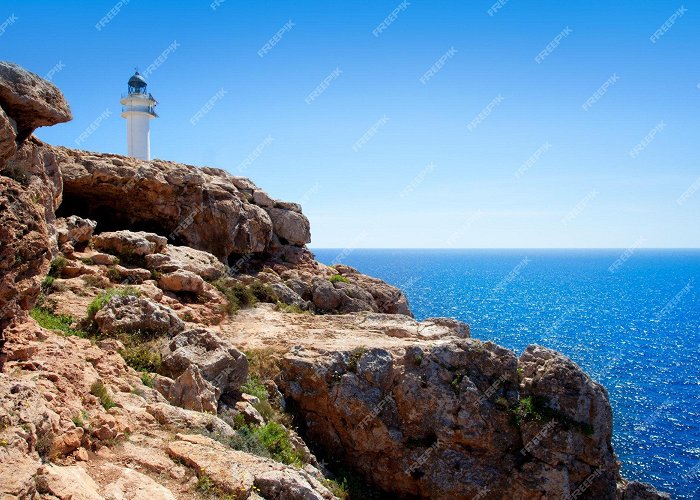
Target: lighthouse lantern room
(138, 107)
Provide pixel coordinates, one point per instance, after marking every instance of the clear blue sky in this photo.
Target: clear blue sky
(585, 190)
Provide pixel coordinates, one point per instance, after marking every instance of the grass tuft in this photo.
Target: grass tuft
(60, 322)
(57, 265)
(99, 390)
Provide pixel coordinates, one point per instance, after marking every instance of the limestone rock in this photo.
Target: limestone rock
(208, 458)
(24, 251)
(290, 226)
(133, 275)
(250, 414)
(175, 258)
(579, 438)
(181, 281)
(288, 296)
(128, 243)
(634, 490)
(189, 391)
(129, 314)
(220, 363)
(66, 483)
(17, 471)
(30, 100)
(234, 470)
(74, 230)
(190, 206)
(326, 297)
(8, 134)
(181, 418)
(131, 484)
(413, 421)
(262, 199)
(103, 259)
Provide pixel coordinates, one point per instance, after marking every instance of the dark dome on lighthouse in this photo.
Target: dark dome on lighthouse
(137, 84)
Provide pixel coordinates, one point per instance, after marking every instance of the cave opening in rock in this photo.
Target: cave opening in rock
(108, 217)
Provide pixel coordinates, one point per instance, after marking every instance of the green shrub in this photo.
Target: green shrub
(204, 484)
(99, 390)
(78, 420)
(60, 322)
(339, 278)
(57, 265)
(141, 358)
(255, 388)
(339, 487)
(147, 379)
(264, 293)
(237, 294)
(276, 441)
(101, 300)
(536, 408)
(291, 308)
(47, 284)
(456, 381)
(355, 356)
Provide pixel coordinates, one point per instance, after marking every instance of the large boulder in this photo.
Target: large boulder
(326, 297)
(220, 363)
(181, 418)
(181, 281)
(66, 482)
(30, 100)
(129, 243)
(133, 484)
(290, 226)
(236, 472)
(74, 231)
(130, 314)
(175, 258)
(189, 391)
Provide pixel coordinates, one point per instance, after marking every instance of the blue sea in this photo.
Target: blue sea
(631, 319)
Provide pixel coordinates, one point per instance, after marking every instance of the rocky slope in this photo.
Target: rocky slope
(184, 343)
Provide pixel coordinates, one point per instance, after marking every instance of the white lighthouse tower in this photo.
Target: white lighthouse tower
(138, 107)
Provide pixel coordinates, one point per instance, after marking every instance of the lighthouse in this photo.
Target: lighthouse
(138, 107)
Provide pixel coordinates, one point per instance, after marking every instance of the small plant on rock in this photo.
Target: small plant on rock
(57, 265)
(141, 358)
(237, 294)
(355, 356)
(99, 390)
(47, 284)
(338, 278)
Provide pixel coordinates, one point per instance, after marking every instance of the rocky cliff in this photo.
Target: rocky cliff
(167, 334)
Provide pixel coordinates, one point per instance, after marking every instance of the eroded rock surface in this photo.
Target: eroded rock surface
(30, 100)
(137, 315)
